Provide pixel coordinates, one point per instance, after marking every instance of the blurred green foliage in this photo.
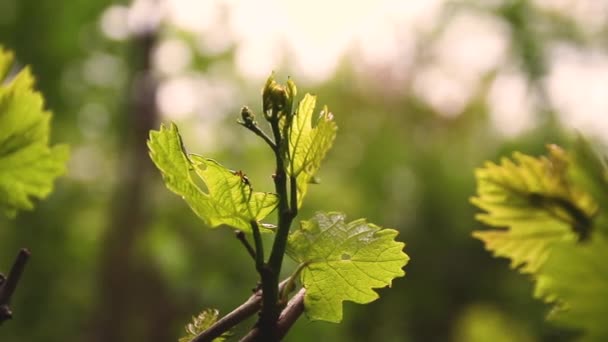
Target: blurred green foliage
(546, 222)
(28, 164)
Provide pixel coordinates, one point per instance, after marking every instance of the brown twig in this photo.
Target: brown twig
(9, 284)
(236, 316)
(288, 317)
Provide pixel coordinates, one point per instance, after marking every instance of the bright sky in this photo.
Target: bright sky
(310, 37)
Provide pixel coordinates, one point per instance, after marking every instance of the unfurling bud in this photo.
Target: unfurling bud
(277, 99)
(247, 116)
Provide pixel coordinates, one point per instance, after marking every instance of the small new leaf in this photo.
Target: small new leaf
(343, 261)
(277, 99)
(575, 276)
(228, 198)
(308, 145)
(28, 165)
(202, 322)
(534, 204)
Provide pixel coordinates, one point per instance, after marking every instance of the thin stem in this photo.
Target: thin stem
(10, 283)
(259, 246)
(240, 235)
(236, 316)
(286, 213)
(293, 187)
(290, 282)
(287, 206)
(253, 126)
(288, 317)
(270, 272)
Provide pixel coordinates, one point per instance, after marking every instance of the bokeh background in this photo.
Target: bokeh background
(423, 93)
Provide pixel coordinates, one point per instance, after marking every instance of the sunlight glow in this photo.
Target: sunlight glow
(113, 22)
(396, 44)
(177, 97)
(577, 86)
(444, 93)
(511, 104)
(144, 15)
(193, 15)
(470, 46)
(172, 56)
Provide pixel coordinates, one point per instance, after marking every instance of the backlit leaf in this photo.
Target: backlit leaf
(588, 170)
(28, 165)
(202, 322)
(344, 261)
(533, 204)
(575, 276)
(308, 145)
(226, 197)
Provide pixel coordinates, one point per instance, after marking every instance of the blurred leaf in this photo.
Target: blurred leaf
(6, 61)
(588, 170)
(202, 322)
(344, 262)
(534, 204)
(546, 203)
(576, 277)
(229, 198)
(307, 145)
(28, 165)
(481, 323)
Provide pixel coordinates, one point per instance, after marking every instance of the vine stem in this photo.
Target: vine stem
(236, 316)
(291, 313)
(259, 246)
(240, 235)
(253, 126)
(10, 284)
(270, 272)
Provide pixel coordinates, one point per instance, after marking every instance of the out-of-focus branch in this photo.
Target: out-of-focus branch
(289, 315)
(8, 286)
(123, 283)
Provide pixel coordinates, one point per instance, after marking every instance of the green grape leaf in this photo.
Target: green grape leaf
(575, 276)
(343, 261)
(308, 145)
(534, 204)
(227, 196)
(28, 165)
(588, 170)
(6, 62)
(202, 322)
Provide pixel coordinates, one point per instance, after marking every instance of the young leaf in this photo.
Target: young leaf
(588, 170)
(576, 277)
(308, 145)
(229, 198)
(28, 165)
(344, 261)
(202, 322)
(6, 62)
(534, 204)
(277, 99)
